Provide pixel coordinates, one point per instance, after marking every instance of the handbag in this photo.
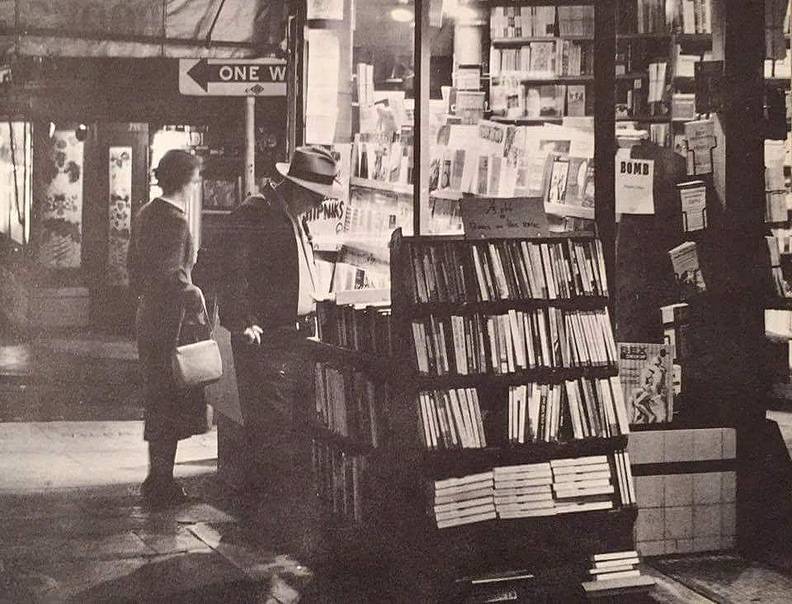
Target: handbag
(199, 363)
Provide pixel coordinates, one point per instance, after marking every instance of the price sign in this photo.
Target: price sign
(494, 217)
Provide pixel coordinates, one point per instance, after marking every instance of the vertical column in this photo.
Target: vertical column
(604, 130)
(250, 146)
(422, 149)
(738, 39)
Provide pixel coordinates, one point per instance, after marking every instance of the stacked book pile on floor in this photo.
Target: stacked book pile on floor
(523, 491)
(451, 419)
(464, 500)
(558, 486)
(614, 565)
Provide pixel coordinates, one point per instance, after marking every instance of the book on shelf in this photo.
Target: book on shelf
(687, 270)
(522, 21)
(693, 17)
(646, 375)
(650, 17)
(515, 341)
(362, 327)
(558, 486)
(338, 481)
(576, 20)
(451, 419)
(459, 272)
(348, 403)
(780, 286)
(543, 59)
(574, 409)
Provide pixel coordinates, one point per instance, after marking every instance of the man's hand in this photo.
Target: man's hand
(253, 334)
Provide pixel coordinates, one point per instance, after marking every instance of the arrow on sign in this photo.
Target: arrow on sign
(204, 73)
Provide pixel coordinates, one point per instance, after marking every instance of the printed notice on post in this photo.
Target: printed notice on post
(634, 184)
(490, 218)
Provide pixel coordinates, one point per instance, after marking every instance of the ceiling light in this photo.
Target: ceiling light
(402, 14)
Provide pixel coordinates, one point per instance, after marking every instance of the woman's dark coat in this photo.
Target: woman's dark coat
(161, 257)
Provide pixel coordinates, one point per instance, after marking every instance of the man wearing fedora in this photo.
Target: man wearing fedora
(267, 303)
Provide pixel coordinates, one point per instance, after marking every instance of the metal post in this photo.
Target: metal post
(250, 146)
(604, 131)
(422, 149)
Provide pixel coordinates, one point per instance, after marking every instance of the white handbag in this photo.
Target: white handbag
(196, 364)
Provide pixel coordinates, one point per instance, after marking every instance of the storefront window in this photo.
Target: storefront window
(359, 102)
(15, 180)
(514, 118)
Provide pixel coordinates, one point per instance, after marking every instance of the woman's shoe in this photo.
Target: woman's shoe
(162, 492)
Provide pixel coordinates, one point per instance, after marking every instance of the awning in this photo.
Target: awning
(141, 28)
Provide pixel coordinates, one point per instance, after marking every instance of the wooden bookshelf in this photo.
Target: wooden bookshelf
(423, 465)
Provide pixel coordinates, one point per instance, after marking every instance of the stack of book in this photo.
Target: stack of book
(514, 341)
(451, 419)
(507, 270)
(465, 500)
(582, 484)
(347, 403)
(576, 409)
(362, 327)
(523, 491)
(338, 479)
(614, 565)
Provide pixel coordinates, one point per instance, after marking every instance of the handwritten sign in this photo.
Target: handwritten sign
(490, 218)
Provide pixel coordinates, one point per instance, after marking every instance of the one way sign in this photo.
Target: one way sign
(232, 77)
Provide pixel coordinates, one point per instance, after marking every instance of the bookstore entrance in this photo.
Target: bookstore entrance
(540, 351)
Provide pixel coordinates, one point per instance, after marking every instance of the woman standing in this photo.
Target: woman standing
(161, 257)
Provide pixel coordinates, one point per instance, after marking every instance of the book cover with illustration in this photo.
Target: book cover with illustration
(646, 376)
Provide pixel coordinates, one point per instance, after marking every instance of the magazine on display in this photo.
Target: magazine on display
(646, 376)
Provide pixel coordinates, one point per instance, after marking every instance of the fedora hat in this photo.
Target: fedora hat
(313, 168)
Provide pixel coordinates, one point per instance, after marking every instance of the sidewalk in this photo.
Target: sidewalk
(65, 376)
(72, 529)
